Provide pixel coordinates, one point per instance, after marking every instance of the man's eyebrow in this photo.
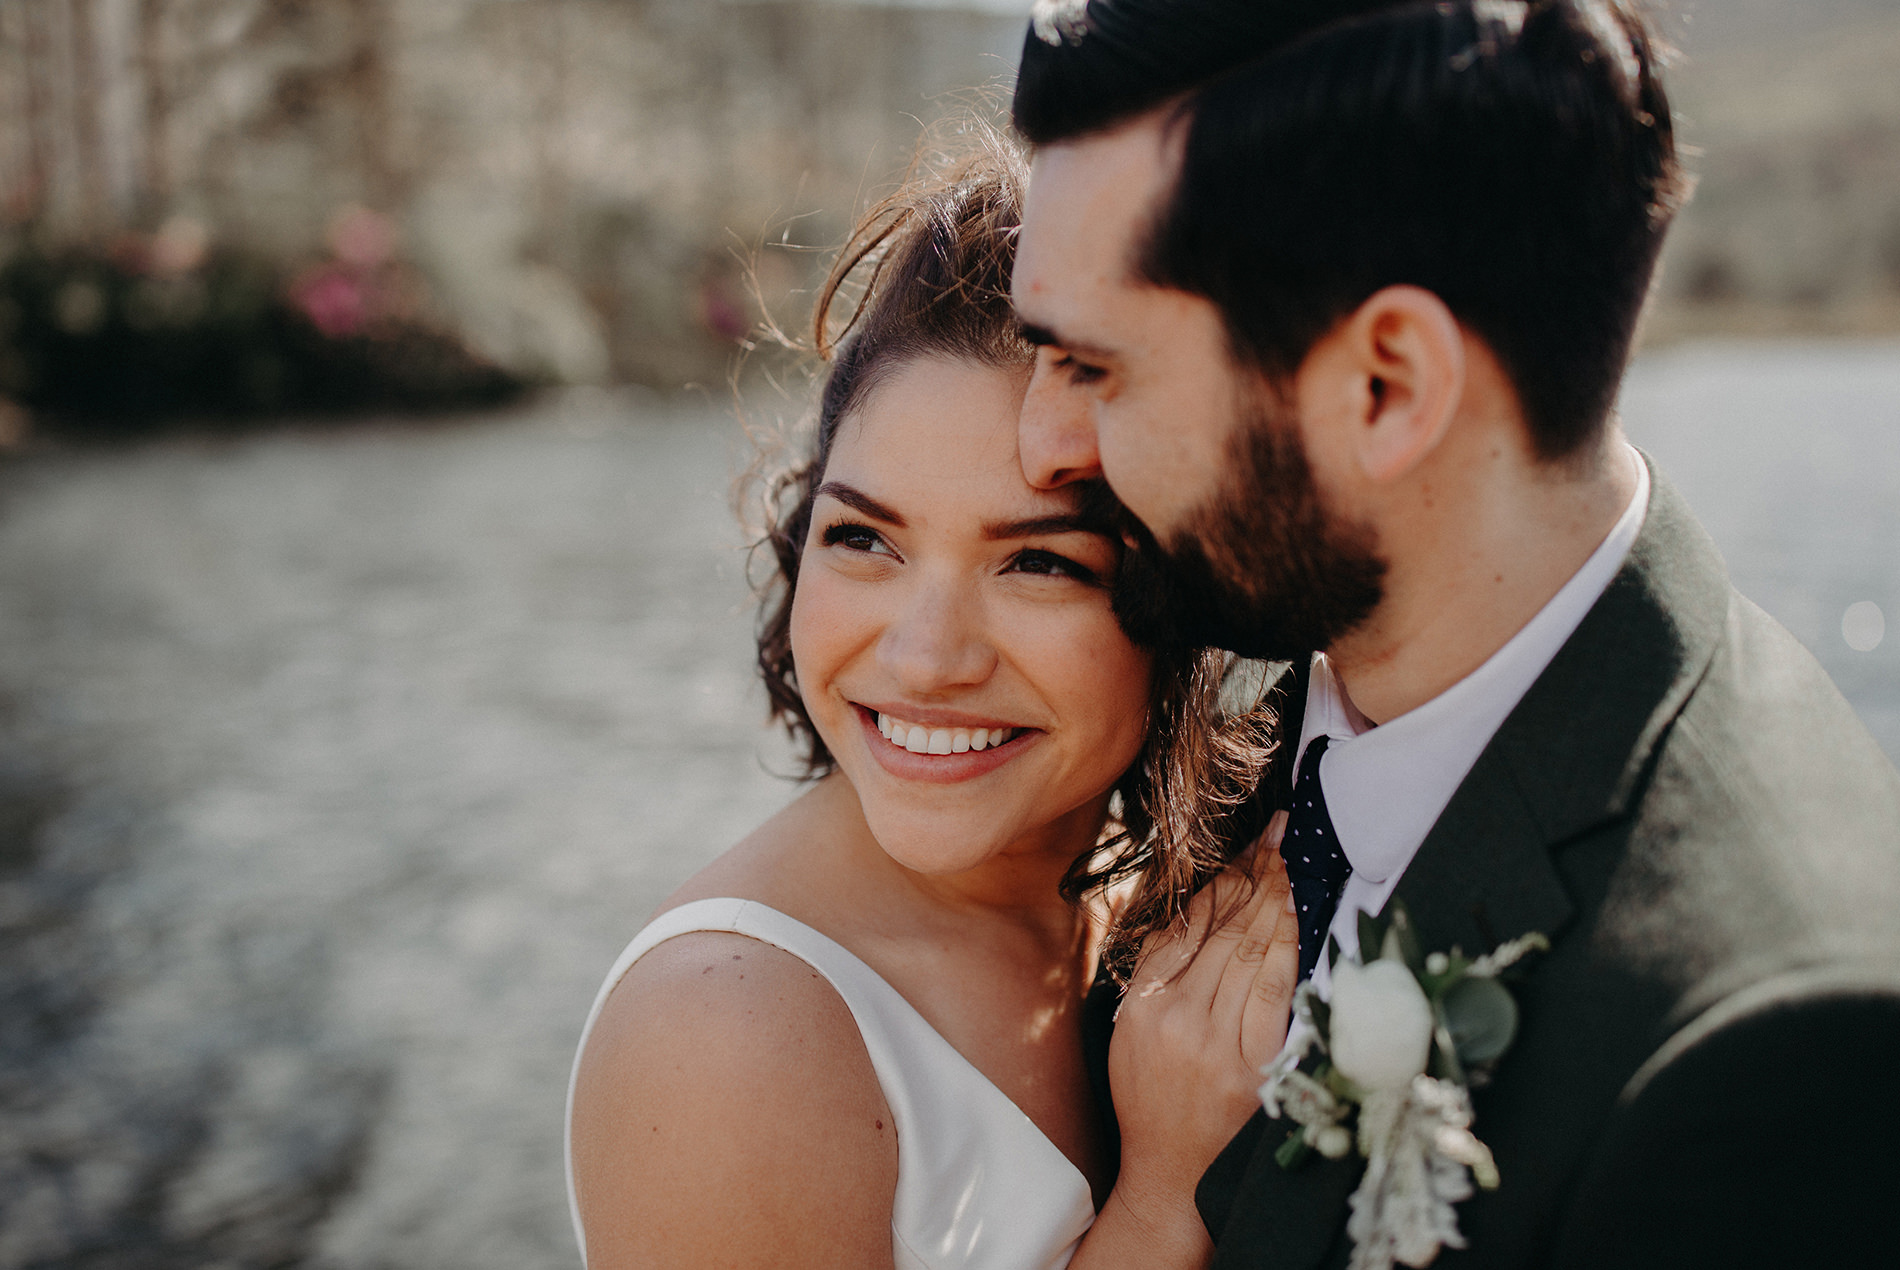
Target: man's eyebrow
(859, 501)
(1045, 337)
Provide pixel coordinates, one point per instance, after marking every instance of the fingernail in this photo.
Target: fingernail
(1289, 903)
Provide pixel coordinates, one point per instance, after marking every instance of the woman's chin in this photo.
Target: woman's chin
(933, 842)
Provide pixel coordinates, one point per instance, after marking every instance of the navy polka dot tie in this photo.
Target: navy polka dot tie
(1315, 865)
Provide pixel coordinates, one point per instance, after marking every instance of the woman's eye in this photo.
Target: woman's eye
(855, 537)
(1049, 564)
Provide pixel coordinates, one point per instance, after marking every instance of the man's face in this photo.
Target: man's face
(1136, 383)
(1133, 381)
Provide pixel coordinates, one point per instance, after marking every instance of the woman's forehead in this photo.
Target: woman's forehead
(943, 431)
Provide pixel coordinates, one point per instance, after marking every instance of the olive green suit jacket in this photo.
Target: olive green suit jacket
(1708, 1067)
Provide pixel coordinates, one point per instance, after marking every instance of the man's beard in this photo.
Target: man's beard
(1261, 569)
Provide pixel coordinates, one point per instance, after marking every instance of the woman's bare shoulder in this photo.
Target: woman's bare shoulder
(726, 1112)
(786, 861)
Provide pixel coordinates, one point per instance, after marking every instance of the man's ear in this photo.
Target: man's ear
(1407, 355)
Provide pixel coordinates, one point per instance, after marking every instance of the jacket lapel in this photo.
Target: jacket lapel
(1571, 755)
(1574, 752)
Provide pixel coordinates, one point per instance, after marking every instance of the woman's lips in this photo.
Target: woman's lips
(940, 760)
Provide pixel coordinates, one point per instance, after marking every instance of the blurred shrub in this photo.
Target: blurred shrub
(120, 338)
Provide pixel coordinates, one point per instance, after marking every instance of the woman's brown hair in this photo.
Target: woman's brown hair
(926, 274)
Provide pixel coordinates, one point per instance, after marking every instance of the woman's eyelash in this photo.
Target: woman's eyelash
(856, 536)
(1035, 561)
(852, 534)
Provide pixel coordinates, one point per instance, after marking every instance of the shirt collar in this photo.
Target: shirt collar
(1386, 785)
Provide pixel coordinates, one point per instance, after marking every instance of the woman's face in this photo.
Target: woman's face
(952, 630)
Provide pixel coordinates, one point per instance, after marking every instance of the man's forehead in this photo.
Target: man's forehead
(1119, 171)
(1089, 199)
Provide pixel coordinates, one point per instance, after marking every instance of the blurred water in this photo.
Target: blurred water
(341, 764)
(335, 767)
(1790, 454)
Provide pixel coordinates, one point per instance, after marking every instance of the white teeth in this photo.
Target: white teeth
(921, 740)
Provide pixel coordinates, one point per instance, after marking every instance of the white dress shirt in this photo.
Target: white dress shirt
(1386, 785)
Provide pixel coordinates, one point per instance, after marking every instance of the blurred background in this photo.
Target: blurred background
(374, 637)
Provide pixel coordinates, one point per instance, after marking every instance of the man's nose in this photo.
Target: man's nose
(938, 639)
(1056, 434)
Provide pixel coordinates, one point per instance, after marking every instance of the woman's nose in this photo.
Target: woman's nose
(938, 640)
(1055, 436)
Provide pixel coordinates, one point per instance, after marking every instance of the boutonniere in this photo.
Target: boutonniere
(1387, 1067)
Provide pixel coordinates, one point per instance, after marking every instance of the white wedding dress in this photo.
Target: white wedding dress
(979, 1187)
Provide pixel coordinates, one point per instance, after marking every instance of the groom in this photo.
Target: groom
(1337, 295)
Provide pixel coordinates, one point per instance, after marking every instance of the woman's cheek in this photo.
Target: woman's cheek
(817, 633)
(1107, 680)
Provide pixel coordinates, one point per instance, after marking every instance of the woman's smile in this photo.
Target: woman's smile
(940, 755)
(919, 738)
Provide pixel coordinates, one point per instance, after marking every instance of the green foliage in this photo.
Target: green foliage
(1481, 1017)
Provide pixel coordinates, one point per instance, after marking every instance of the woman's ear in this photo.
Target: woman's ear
(1407, 356)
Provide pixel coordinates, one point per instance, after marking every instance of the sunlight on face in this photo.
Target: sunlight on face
(952, 630)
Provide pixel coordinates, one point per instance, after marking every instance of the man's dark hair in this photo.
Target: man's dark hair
(1516, 159)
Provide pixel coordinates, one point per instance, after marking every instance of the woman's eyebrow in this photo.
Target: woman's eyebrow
(1035, 526)
(859, 501)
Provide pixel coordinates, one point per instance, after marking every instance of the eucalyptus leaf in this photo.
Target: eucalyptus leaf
(1481, 1017)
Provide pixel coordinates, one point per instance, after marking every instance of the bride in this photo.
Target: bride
(857, 1038)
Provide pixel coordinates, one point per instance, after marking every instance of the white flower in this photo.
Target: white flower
(1403, 1210)
(1308, 1102)
(1381, 1030)
(1508, 953)
(1333, 1142)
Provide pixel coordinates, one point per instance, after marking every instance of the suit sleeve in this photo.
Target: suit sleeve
(1773, 1139)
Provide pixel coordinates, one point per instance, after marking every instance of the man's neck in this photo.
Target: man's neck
(1470, 563)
